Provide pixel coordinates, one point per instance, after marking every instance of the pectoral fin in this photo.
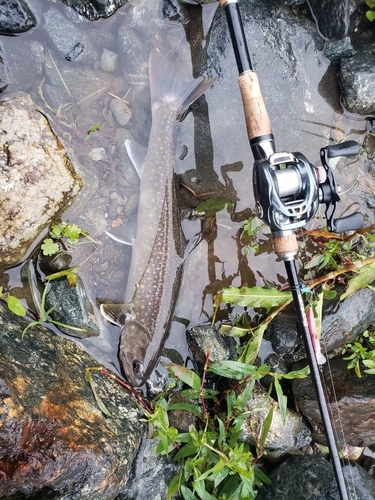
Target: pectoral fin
(117, 314)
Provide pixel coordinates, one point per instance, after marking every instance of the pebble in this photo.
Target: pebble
(121, 111)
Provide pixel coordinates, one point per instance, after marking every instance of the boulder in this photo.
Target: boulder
(37, 179)
(55, 442)
(15, 17)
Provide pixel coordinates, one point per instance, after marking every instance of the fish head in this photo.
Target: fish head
(135, 340)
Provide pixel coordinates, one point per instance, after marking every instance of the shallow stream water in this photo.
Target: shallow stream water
(302, 98)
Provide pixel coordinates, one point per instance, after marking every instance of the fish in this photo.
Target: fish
(159, 245)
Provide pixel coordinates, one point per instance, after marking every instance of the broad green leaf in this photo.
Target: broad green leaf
(16, 306)
(302, 373)
(365, 276)
(100, 403)
(220, 476)
(72, 231)
(49, 247)
(370, 14)
(185, 374)
(253, 345)
(212, 206)
(187, 493)
(254, 297)
(282, 400)
(266, 427)
(237, 370)
(261, 476)
(186, 451)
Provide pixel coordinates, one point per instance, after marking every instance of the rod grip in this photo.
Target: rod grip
(257, 119)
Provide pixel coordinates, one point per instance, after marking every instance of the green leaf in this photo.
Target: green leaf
(261, 476)
(185, 374)
(173, 486)
(302, 373)
(15, 306)
(254, 297)
(282, 400)
(186, 451)
(212, 206)
(252, 347)
(49, 247)
(237, 370)
(370, 14)
(365, 276)
(234, 331)
(187, 493)
(72, 231)
(100, 403)
(266, 426)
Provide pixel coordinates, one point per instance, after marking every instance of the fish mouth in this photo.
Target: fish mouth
(134, 342)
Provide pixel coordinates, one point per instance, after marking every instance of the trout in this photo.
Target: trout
(159, 244)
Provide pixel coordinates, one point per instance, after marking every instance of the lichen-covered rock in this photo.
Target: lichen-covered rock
(357, 79)
(53, 437)
(37, 179)
(281, 439)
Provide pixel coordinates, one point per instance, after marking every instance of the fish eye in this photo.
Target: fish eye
(137, 367)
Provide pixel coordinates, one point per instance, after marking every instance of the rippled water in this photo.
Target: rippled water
(302, 101)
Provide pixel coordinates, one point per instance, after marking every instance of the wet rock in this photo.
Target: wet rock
(313, 478)
(21, 76)
(332, 17)
(108, 60)
(15, 17)
(55, 441)
(336, 49)
(342, 323)
(134, 53)
(357, 79)
(281, 439)
(151, 474)
(353, 396)
(95, 10)
(206, 339)
(72, 307)
(37, 180)
(73, 45)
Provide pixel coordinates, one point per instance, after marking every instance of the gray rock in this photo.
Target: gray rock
(121, 111)
(108, 60)
(150, 475)
(332, 17)
(353, 396)
(95, 10)
(35, 170)
(73, 45)
(334, 50)
(312, 478)
(72, 307)
(15, 17)
(357, 79)
(206, 339)
(55, 441)
(281, 439)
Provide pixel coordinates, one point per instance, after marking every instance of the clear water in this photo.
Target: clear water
(213, 134)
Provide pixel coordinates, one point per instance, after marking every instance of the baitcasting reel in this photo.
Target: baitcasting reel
(288, 190)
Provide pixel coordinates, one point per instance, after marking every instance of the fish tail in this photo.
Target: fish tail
(172, 84)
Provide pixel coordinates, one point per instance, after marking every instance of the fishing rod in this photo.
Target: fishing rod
(288, 190)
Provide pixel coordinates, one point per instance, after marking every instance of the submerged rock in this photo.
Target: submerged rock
(55, 441)
(95, 10)
(15, 17)
(312, 478)
(353, 398)
(37, 179)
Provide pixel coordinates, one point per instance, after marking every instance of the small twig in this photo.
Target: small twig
(202, 385)
(333, 274)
